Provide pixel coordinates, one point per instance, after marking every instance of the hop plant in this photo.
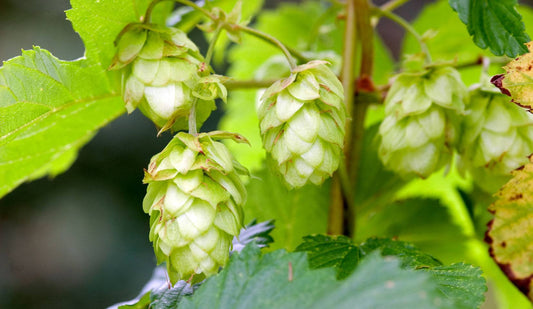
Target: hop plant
(422, 123)
(497, 138)
(194, 199)
(164, 76)
(302, 122)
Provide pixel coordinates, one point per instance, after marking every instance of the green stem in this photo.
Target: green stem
(407, 26)
(148, 14)
(211, 49)
(192, 118)
(393, 4)
(267, 37)
(248, 84)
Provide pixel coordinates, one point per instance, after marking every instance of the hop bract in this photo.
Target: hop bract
(422, 123)
(302, 122)
(194, 199)
(161, 75)
(497, 138)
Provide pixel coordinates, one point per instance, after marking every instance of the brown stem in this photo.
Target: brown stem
(337, 206)
(360, 104)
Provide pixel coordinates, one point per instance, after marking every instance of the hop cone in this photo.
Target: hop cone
(421, 121)
(302, 124)
(194, 199)
(162, 75)
(497, 138)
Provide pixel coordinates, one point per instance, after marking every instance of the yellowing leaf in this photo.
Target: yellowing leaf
(518, 81)
(510, 233)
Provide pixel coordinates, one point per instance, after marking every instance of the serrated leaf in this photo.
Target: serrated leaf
(99, 22)
(518, 79)
(451, 41)
(411, 256)
(461, 284)
(331, 251)
(170, 298)
(284, 280)
(510, 233)
(493, 24)
(49, 109)
(297, 213)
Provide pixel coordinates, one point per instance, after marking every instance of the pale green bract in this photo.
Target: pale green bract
(422, 121)
(164, 74)
(194, 199)
(302, 122)
(497, 138)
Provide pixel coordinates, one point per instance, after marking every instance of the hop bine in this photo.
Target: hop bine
(164, 74)
(302, 122)
(194, 199)
(422, 121)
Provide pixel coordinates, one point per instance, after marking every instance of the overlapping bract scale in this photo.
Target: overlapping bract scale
(163, 76)
(422, 121)
(194, 199)
(497, 138)
(302, 121)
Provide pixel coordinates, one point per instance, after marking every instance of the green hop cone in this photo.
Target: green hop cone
(302, 122)
(422, 121)
(194, 199)
(497, 138)
(162, 70)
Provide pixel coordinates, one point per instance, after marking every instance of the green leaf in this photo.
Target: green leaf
(331, 251)
(411, 256)
(142, 303)
(461, 284)
(99, 22)
(510, 233)
(48, 110)
(283, 280)
(493, 24)
(422, 221)
(170, 298)
(297, 213)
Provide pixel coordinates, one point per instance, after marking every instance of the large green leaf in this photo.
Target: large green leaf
(510, 234)
(283, 280)
(461, 284)
(99, 22)
(297, 213)
(48, 110)
(424, 222)
(493, 24)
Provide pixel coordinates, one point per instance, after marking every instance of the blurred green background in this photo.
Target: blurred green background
(80, 240)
